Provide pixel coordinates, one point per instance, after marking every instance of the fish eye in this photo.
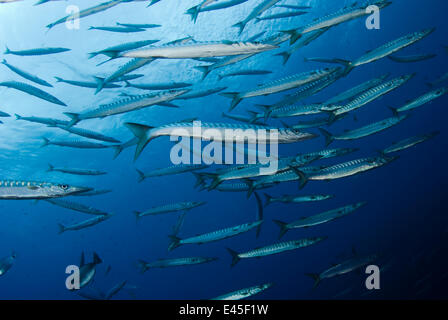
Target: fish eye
(63, 186)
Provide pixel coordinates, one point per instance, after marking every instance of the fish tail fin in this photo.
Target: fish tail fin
(259, 213)
(92, 55)
(315, 277)
(329, 138)
(254, 116)
(268, 199)
(283, 228)
(215, 181)
(141, 132)
(74, 118)
(100, 84)
(285, 55)
(303, 177)
(61, 228)
(294, 35)
(241, 25)
(141, 175)
(193, 12)
(251, 185)
(175, 242)
(96, 259)
(204, 69)
(18, 117)
(7, 51)
(45, 142)
(50, 168)
(235, 256)
(127, 84)
(200, 179)
(142, 265)
(394, 111)
(58, 79)
(117, 150)
(235, 96)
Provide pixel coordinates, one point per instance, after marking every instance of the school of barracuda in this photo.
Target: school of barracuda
(211, 58)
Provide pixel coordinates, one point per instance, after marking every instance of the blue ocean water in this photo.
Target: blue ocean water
(404, 221)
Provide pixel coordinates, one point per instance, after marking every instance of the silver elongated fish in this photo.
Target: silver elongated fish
(244, 293)
(373, 94)
(172, 207)
(244, 73)
(274, 249)
(158, 86)
(412, 58)
(296, 199)
(297, 110)
(81, 172)
(182, 168)
(114, 51)
(222, 63)
(427, 97)
(127, 104)
(36, 51)
(177, 262)
(32, 91)
(258, 10)
(76, 207)
(26, 75)
(118, 29)
(87, 271)
(333, 19)
(74, 144)
(6, 263)
(280, 15)
(87, 133)
(289, 6)
(349, 168)
(363, 131)
(25, 190)
(139, 25)
(94, 192)
(189, 129)
(200, 50)
(342, 268)
(88, 84)
(47, 121)
(87, 12)
(357, 90)
(213, 236)
(318, 219)
(331, 153)
(84, 224)
(193, 94)
(279, 85)
(128, 67)
(194, 11)
(380, 52)
(409, 142)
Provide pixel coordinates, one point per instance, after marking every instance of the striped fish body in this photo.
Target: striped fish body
(77, 144)
(36, 52)
(172, 207)
(76, 207)
(32, 91)
(26, 75)
(409, 142)
(244, 293)
(84, 224)
(299, 110)
(427, 97)
(347, 266)
(88, 134)
(178, 262)
(18, 190)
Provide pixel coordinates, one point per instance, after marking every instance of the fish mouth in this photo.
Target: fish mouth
(308, 135)
(77, 190)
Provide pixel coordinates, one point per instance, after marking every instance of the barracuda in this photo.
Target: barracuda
(114, 51)
(318, 218)
(296, 199)
(32, 91)
(297, 110)
(179, 262)
(280, 85)
(76, 207)
(244, 73)
(274, 249)
(200, 50)
(36, 52)
(194, 11)
(84, 224)
(427, 97)
(412, 58)
(74, 144)
(188, 129)
(172, 207)
(258, 10)
(127, 104)
(47, 121)
(200, 93)
(26, 75)
(222, 63)
(409, 142)
(244, 293)
(117, 29)
(373, 94)
(213, 236)
(87, 84)
(87, 133)
(82, 172)
(25, 190)
(182, 168)
(363, 131)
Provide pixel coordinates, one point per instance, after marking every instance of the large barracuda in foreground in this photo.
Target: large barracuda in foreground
(127, 104)
(343, 15)
(381, 52)
(363, 131)
(84, 224)
(213, 236)
(373, 94)
(25, 190)
(178, 262)
(32, 91)
(244, 293)
(409, 142)
(274, 249)
(318, 218)
(188, 129)
(200, 50)
(427, 97)
(26, 75)
(76, 207)
(172, 207)
(279, 85)
(170, 171)
(342, 268)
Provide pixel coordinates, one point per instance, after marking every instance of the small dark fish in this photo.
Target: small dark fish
(412, 58)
